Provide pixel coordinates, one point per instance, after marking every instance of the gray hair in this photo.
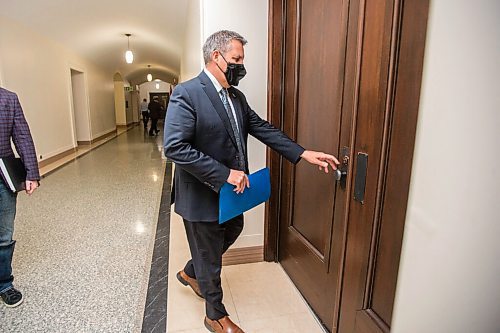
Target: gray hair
(220, 41)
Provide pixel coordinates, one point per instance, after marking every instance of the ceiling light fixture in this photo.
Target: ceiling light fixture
(129, 56)
(149, 76)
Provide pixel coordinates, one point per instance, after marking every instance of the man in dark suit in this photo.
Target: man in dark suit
(206, 131)
(154, 113)
(13, 125)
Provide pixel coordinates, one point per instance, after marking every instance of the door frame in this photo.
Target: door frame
(275, 101)
(406, 70)
(85, 112)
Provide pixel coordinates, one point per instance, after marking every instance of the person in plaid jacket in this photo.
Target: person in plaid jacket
(13, 126)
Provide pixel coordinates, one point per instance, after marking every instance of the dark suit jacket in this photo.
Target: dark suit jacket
(13, 125)
(198, 137)
(154, 110)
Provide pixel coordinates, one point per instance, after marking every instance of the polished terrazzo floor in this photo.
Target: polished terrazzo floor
(85, 246)
(84, 241)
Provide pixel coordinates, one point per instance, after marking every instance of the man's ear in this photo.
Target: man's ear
(215, 56)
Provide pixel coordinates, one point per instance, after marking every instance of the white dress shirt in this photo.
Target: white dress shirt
(219, 87)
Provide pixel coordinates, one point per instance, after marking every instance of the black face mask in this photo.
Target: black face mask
(234, 72)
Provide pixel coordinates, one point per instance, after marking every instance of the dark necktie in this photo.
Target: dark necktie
(227, 106)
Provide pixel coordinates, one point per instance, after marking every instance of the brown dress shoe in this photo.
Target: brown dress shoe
(223, 325)
(188, 281)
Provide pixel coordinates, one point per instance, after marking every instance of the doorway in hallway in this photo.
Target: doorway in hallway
(80, 108)
(163, 97)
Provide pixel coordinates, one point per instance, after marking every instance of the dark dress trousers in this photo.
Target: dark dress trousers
(154, 113)
(199, 139)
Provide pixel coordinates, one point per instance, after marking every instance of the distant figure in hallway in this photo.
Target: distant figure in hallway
(145, 113)
(155, 113)
(206, 131)
(13, 126)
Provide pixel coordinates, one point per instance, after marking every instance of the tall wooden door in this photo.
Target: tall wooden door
(351, 80)
(315, 43)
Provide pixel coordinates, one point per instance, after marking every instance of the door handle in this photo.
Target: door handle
(341, 173)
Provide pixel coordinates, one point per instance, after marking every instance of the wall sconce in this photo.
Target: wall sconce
(149, 76)
(129, 56)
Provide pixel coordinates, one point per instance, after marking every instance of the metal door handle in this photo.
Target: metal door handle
(341, 173)
(338, 174)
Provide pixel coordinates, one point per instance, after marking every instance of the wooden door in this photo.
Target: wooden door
(313, 82)
(385, 97)
(350, 84)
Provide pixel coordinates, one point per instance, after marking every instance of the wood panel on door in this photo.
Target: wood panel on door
(313, 83)
(393, 32)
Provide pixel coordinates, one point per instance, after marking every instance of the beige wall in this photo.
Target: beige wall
(1, 76)
(253, 26)
(192, 59)
(450, 264)
(120, 113)
(38, 70)
(134, 97)
(101, 100)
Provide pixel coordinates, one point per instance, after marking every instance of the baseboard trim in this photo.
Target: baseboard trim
(243, 255)
(112, 132)
(57, 157)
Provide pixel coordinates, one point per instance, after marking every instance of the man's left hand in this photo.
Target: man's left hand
(320, 159)
(31, 185)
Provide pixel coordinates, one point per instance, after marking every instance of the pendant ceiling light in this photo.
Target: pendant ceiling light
(149, 76)
(129, 56)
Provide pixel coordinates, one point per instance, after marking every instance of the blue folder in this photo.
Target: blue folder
(232, 204)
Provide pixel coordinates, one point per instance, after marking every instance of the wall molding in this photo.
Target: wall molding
(97, 139)
(105, 132)
(56, 157)
(243, 255)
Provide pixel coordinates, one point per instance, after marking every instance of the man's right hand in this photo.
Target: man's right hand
(238, 179)
(31, 186)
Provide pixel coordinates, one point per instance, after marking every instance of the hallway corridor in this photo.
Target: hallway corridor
(85, 246)
(84, 241)
(403, 92)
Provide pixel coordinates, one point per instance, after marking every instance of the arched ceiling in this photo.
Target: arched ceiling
(139, 76)
(95, 30)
